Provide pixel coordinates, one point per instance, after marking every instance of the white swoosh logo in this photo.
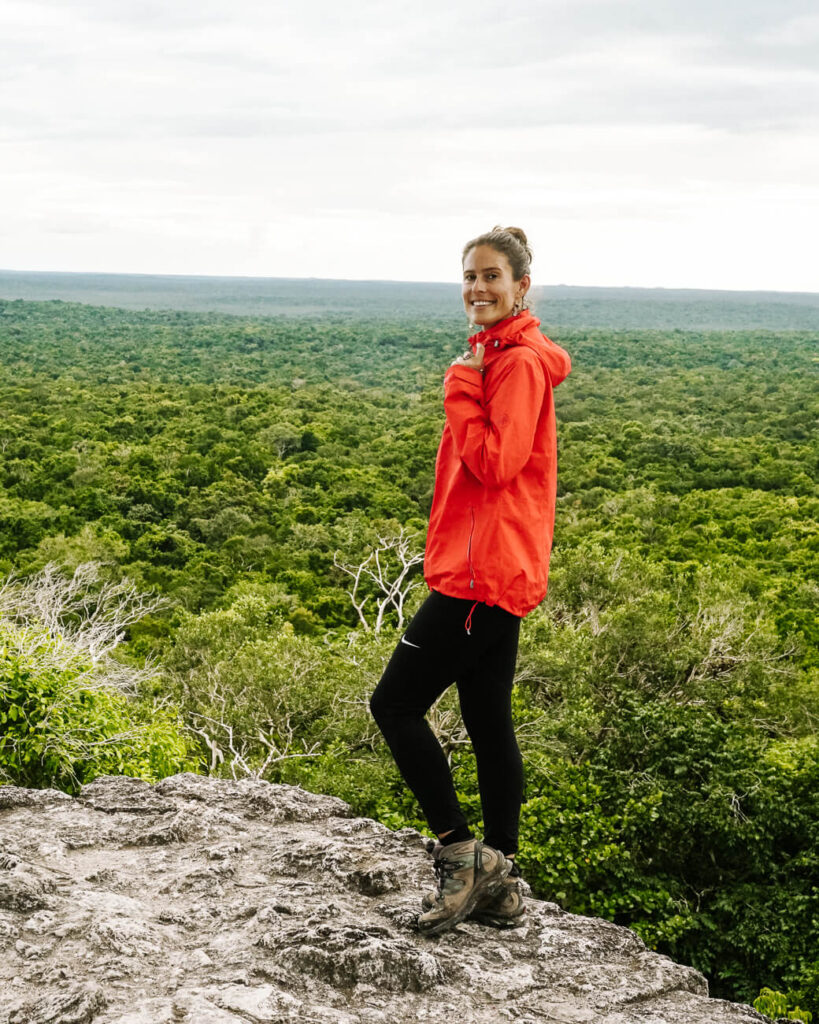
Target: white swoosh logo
(409, 643)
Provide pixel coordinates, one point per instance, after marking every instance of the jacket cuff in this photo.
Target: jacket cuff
(465, 377)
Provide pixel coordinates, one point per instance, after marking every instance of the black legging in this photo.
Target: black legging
(435, 651)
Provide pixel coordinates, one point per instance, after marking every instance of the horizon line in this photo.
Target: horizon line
(371, 280)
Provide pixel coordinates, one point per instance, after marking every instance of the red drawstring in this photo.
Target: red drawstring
(468, 623)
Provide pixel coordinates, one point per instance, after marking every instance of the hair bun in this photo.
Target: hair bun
(518, 233)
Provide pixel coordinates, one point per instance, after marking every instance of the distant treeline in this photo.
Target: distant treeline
(556, 305)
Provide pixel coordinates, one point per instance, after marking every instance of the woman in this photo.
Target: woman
(486, 563)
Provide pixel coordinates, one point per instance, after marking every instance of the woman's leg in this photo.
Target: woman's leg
(424, 664)
(485, 691)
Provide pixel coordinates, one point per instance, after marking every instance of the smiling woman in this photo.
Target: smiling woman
(496, 275)
(486, 563)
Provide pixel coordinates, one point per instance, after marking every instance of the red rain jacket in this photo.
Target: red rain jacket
(493, 510)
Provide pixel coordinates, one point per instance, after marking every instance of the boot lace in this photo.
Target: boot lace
(444, 871)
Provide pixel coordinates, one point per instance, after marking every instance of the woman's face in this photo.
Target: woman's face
(490, 290)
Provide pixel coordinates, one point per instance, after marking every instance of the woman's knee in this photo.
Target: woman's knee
(386, 707)
(383, 706)
(379, 706)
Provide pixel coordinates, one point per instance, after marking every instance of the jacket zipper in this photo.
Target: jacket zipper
(469, 550)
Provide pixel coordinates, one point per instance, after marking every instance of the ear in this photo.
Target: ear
(524, 284)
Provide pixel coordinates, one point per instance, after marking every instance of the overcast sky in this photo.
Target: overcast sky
(639, 142)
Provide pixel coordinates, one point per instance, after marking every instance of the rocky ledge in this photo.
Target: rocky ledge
(204, 901)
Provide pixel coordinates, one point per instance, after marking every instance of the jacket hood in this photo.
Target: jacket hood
(523, 329)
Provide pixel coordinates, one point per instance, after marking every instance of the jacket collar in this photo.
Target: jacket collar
(523, 329)
(507, 332)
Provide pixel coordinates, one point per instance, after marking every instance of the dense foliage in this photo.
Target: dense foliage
(667, 695)
(62, 724)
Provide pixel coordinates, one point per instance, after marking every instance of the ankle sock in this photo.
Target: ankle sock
(457, 835)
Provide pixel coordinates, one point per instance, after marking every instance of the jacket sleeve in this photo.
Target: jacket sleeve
(494, 438)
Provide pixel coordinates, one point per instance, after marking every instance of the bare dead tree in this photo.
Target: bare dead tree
(447, 724)
(730, 644)
(228, 744)
(445, 721)
(70, 625)
(389, 567)
(90, 612)
(84, 617)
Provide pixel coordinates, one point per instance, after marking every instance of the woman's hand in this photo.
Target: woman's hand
(469, 359)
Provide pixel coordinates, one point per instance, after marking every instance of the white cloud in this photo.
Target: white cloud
(369, 140)
(800, 31)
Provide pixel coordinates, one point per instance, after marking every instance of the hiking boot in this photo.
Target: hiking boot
(502, 907)
(466, 872)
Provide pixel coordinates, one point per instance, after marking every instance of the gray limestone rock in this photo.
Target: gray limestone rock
(205, 901)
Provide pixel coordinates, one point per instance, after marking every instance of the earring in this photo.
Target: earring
(517, 307)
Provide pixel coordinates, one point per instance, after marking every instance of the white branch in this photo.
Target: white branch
(388, 567)
(92, 613)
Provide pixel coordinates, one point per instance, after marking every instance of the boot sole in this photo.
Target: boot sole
(497, 921)
(501, 921)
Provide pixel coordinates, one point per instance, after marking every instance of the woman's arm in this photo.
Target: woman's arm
(494, 437)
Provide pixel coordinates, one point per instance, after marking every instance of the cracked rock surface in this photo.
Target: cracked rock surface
(204, 901)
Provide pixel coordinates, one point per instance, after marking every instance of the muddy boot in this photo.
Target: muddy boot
(504, 907)
(466, 872)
